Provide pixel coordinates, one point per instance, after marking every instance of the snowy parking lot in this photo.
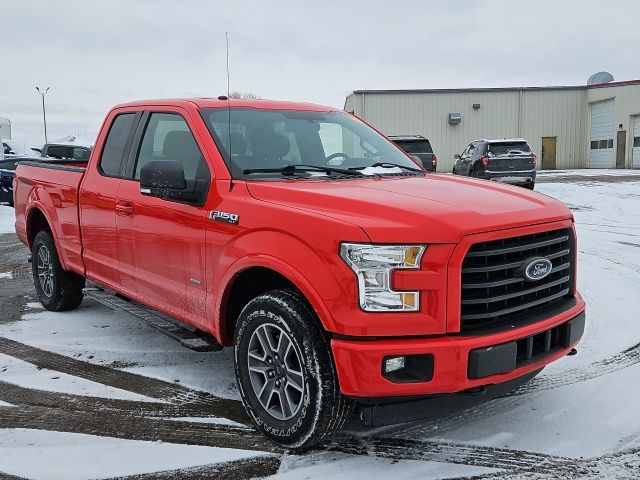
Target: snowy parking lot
(95, 393)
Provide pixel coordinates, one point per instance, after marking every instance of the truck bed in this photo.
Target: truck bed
(52, 186)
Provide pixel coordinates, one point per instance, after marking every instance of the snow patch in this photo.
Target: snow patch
(44, 455)
(27, 375)
(7, 219)
(207, 420)
(7, 275)
(96, 334)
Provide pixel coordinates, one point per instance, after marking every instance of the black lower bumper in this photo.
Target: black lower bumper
(506, 357)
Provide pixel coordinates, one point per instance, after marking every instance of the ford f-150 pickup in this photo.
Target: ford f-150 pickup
(342, 274)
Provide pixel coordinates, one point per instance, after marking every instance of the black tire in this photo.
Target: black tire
(530, 185)
(473, 172)
(57, 289)
(453, 172)
(321, 408)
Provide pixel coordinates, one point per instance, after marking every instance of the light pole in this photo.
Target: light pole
(44, 112)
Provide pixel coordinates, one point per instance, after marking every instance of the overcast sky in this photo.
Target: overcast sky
(94, 54)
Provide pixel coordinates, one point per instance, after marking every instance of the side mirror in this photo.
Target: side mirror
(165, 179)
(457, 156)
(162, 175)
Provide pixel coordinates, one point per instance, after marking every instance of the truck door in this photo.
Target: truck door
(162, 241)
(98, 199)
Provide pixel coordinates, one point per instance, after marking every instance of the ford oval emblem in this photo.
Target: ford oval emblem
(537, 268)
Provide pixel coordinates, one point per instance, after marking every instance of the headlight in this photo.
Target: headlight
(373, 265)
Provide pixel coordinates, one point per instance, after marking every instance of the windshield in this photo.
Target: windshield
(507, 147)
(273, 139)
(414, 146)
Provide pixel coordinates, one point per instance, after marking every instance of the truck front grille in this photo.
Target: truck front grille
(495, 294)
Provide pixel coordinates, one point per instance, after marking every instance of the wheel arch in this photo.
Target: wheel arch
(261, 275)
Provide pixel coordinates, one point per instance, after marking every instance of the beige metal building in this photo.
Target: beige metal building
(594, 126)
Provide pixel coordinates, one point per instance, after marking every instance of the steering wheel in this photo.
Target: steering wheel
(338, 154)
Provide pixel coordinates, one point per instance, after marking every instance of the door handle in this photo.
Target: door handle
(124, 209)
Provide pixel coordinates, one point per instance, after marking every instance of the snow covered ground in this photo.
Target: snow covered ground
(163, 408)
(7, 219)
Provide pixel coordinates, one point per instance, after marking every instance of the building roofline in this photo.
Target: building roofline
(499, 89)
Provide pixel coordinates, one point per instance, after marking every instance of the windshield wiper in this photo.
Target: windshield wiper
(296, 168)
(389, 165)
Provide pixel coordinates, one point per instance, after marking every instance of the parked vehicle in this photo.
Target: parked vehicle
(418, 147)
(366, 285)
(505, 160)
(7, 168)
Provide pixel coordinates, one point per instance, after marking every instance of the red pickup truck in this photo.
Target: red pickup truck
(342, 274)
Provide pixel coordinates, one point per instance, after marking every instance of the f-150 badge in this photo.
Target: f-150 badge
(225, 217)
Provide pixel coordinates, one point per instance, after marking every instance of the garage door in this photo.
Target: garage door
(636, 142)
(601, 152)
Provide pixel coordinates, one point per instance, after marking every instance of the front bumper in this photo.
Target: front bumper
(459, 362)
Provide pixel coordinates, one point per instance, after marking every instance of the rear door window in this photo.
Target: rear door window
(117, 144)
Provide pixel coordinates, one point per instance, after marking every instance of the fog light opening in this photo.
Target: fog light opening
(408, 368)
(392, 364)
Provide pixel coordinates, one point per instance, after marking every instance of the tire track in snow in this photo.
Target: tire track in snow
(74, 413)
(18, 395)
(151, 387)
(624, 464)
(257, 467)
(64, 412)
(130, 427)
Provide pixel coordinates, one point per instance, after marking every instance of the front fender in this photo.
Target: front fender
(319, 274)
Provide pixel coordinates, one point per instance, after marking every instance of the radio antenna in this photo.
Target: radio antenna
(226, 35)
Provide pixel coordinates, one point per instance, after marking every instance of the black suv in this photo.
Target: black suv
(505, 160)
(418, 147)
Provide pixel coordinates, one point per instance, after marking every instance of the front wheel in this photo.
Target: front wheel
(285, 371)
(58, 290)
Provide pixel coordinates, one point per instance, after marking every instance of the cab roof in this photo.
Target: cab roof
(222, 102)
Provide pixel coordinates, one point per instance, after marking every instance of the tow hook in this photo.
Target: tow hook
(572, 352)
(475, 391)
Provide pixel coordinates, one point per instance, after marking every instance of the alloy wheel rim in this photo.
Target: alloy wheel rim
(45, 271)
(276, 372)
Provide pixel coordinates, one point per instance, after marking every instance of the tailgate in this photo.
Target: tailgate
(512, 162)
(46, 192)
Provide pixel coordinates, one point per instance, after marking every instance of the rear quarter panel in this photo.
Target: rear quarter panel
(54, 193)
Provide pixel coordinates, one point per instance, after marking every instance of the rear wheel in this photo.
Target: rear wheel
(285, 371)
(529, 185)
(57, 289)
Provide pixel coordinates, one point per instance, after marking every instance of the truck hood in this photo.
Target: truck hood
(434, 208)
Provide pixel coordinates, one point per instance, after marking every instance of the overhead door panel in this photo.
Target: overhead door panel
(601, 145)
(636, 142)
